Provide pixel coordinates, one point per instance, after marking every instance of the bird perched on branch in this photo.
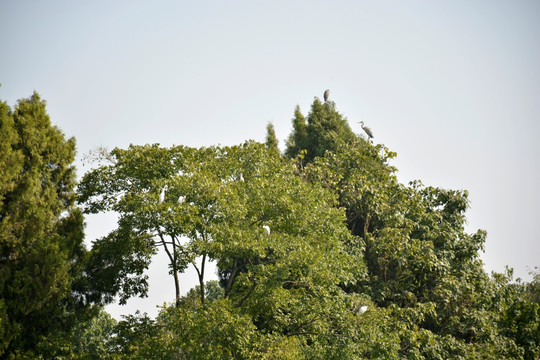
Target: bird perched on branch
(162, 194)
(367, 130)
(326, 94)
(266, 230)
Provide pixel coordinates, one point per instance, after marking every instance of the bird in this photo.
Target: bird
(266, 230)
(181, 199)
(241, 178)
(362, 310)
(366, 129)
(162, 194)
(326, 94)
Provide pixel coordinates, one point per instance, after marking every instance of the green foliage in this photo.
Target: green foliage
(89, 339)
(228, 194)
(421, 264)
(532, 289)
(271, 139)
(280, 278)
(92, 338)
(344, 233)
(418, 256)
(325, 130)
(122, 273)
(519, 316)
(41, 232)
(227, 334)
(304, 244)
(297, 141)
(212, 291)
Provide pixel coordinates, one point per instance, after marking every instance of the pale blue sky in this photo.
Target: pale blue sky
(453, 87)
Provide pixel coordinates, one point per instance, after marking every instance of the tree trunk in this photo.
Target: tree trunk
(200, 274)
(172, 259)
(176, 286)
(231, 278)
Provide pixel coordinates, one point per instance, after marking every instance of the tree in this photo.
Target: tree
(213, 291)
(297, 140)
(421, 264)
(532, 289)
(271, 139)
(519, 311)
(343, 234)
(303, 259)
(130, 185)
(217, 199)
(324, 131)
(89, 339)
(41, 231)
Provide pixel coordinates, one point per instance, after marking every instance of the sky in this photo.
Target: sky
(452, 86)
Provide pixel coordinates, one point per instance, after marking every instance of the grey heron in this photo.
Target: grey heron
(367, 130)
(326, 94)
(162, 194)
(266, 230)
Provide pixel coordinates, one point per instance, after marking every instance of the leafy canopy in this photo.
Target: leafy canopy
(344, 236)
(216, 202)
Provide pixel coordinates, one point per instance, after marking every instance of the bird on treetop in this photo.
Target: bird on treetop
(367, 130)
(326, 94)
(266, 230)
(162, 194)
(181, 199)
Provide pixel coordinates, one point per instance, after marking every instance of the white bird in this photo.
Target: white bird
(367, 130)
(181, 199)
(162, 194)
(266, 230)
(326, 94)
(362, 310)
(241, 178)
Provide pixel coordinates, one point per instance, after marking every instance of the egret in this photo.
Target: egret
(241, 178)
(326, 94)
(181, 199)
(367, 130)
(362, 310)
(266, 230)
(162, 194)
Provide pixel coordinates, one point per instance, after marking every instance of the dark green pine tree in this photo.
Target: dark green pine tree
(325, 130)
(41, 231)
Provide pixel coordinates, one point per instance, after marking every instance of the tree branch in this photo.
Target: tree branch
(248, 294)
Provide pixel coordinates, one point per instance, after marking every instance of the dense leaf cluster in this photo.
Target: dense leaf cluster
(321, 254)
(345, 234)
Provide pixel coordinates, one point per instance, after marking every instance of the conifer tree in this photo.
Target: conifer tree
(298, 138)
(41, 231)
(325, 130)
(271, 139)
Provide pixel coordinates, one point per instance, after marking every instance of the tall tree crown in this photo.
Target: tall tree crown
(41, 232)
(324, 130)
